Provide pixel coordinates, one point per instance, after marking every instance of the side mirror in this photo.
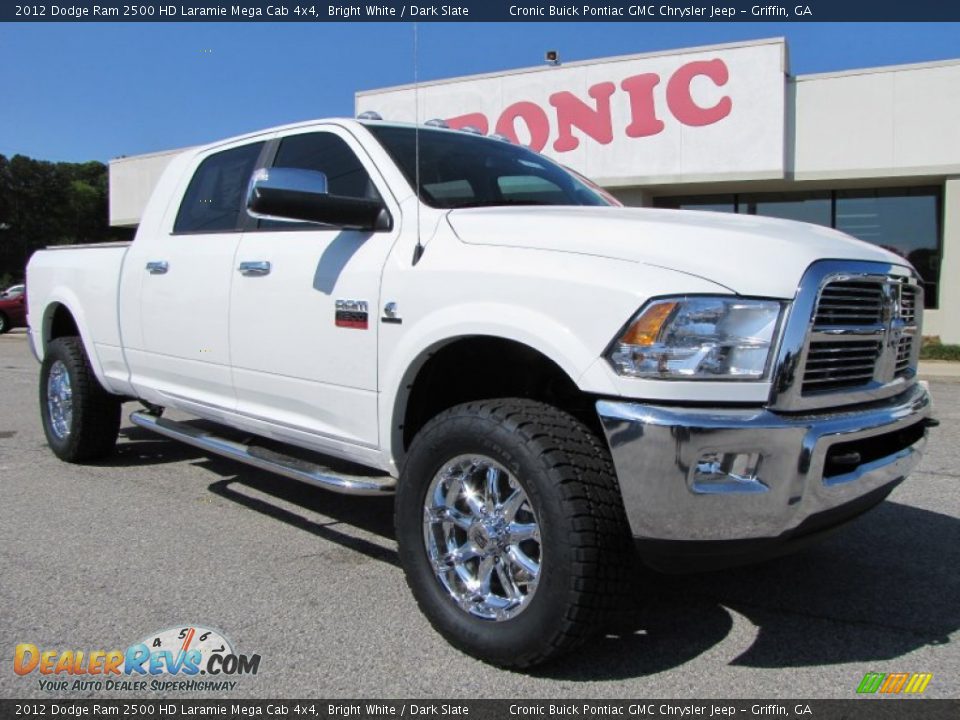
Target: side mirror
(298, 195)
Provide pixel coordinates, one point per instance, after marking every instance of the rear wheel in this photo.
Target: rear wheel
(4, 323)
(511, 530)
(80, 419)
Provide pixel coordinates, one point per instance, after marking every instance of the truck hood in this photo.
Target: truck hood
(750, 255)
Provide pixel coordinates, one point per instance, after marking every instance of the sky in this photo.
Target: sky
(95, 91)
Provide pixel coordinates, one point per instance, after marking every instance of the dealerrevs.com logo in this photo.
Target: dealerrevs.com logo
(188, 658)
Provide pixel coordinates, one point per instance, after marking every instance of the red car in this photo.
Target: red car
(13, 310)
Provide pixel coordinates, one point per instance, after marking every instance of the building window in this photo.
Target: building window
(805, 207)
(905, 221)
(712, 203)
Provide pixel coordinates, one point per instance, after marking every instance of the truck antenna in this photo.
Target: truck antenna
(418, 250)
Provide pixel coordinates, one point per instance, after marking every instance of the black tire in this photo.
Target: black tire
(568, 478)
(94, 424)
(4, 323)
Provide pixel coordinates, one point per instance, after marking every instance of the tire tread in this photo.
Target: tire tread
(580, 468)
(96, 412)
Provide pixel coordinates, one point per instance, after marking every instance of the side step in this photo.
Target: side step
(265, 459)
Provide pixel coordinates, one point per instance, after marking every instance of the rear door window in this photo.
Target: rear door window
(214, 199)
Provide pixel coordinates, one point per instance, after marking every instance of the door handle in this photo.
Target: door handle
(253, 268)
(157, 267)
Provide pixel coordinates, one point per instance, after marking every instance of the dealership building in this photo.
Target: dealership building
(873, 152)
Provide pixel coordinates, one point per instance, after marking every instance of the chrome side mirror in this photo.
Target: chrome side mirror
(269, 184)
(298, 195)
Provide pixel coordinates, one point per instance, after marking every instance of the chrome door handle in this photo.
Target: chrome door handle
(254, 268)
(157, 267)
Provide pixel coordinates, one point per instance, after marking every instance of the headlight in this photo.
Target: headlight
(698, 338)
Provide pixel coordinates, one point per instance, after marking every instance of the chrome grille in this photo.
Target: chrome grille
(904, 353)
(909, 295)
(832, 366)
(852, 336)
(863, 335)
(850, 302)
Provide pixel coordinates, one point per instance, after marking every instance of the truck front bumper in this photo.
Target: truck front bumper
(703, 475)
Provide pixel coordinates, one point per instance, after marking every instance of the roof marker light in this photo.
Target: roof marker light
(369, 115)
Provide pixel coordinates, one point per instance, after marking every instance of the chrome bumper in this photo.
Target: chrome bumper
(695, 474)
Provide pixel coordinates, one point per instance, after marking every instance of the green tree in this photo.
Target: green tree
(44, 203)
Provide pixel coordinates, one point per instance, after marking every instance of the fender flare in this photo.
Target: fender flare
(63, 296)
(540, 332)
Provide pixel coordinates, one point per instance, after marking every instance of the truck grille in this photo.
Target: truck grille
(908, 304)
(864, 332)
(834, 366)
(848, 302)
(904, 351)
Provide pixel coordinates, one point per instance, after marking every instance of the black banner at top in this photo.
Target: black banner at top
(481, 11)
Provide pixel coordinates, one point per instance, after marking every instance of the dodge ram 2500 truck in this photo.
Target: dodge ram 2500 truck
(551, 384)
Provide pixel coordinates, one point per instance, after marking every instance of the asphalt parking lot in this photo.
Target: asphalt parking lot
(100, 556)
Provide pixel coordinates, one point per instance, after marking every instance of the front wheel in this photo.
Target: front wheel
(511, 530)
(80, 419)
(4, 323)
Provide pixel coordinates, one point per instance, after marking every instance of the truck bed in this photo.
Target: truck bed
(87, 284)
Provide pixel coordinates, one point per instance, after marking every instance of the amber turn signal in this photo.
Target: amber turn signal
(646, 329)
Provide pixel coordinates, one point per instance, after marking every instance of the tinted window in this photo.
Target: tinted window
(711, 203)
(329, 154)
(458, 169)
(214, 199)
(530, 187)
(806, 207)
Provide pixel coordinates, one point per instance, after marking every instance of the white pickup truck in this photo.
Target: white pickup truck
(552, 384)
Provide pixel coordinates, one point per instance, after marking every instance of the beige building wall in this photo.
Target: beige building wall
(132, 179)
(945, 322)
(878, 123)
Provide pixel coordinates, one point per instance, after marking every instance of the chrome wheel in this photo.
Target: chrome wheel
(59, 400)
(482, 537)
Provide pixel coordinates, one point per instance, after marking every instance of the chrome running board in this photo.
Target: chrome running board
(268, 460)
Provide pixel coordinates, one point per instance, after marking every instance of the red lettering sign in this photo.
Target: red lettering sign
(477, 120)
(594, 119)
(538, 126)
(680, 102)
(595, 122)
(643, 110)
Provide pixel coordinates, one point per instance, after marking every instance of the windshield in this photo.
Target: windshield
(459, 170)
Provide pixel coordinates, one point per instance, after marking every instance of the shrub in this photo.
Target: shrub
(938, 351)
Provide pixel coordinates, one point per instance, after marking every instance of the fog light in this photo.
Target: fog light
(728, 473)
